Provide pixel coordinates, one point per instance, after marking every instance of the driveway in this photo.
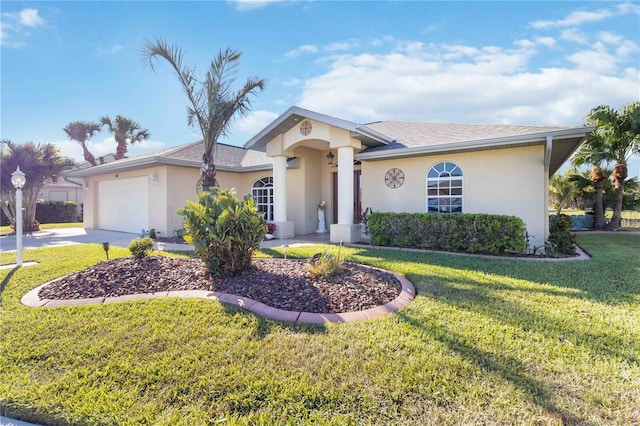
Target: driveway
(68, 236)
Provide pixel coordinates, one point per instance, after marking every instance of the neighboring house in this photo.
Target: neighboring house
(303, 158)
(64, 190)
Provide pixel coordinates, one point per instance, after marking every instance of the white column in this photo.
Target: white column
(280, 188)
(19, 227)
(345, 185)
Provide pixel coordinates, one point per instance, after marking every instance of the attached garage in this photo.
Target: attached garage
(123, 204)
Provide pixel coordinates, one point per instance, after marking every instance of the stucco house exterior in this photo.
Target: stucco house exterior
(304, 158)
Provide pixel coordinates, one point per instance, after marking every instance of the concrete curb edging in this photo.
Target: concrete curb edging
(32, 300)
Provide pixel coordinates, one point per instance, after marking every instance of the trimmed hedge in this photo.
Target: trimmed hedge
(472, 233)
(561, 241)
(56, 212)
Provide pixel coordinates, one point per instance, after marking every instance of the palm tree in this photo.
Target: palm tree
(562, 190)
(125, 130)
(620, 133)
(81, 132)
(40, 163)
(592, 152)
(212, 103)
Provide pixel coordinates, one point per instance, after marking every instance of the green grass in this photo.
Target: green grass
(8, 230)
(500, 341)
(626, 214)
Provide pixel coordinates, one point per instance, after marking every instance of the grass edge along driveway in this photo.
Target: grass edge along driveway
(485, 341)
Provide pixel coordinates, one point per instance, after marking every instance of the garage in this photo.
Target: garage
(123, 204)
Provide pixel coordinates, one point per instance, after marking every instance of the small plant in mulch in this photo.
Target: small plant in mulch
(325, 265)
(141, 247)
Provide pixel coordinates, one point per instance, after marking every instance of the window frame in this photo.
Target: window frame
(449, 199)
(263, 196)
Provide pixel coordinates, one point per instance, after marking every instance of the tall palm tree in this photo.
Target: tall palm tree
(620, 133)
(41, 163)
(212, 103)
(592, 152)
(81, 132)
(125, 130)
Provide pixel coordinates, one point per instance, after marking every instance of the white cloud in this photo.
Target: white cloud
(580, 17)
(30, 18)
(342, 45)
(104, 147)
(574, 35)
(244, 5)
(305, 48)
(255, 121)
(427, 82)
(14, 26)
(546, 41)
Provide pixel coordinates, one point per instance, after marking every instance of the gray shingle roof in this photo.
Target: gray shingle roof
(418, 134)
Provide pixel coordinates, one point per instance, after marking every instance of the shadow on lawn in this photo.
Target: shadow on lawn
(5, 281)
(507, 368)
(265, 326)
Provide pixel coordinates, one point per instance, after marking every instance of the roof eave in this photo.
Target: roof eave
(476, 145)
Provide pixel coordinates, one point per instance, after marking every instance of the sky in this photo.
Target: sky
(500, 62)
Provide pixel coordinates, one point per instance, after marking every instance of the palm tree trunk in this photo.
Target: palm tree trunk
(121, 150)
(88, 156)
(208, 172)
(598, 208)
(618, 177)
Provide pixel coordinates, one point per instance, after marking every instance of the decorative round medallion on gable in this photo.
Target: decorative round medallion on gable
(394, 178)
(305, 128)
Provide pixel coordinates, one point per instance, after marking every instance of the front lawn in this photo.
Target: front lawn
(498, 341)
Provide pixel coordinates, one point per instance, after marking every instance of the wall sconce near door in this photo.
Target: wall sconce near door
(153, 177)
(330, 158)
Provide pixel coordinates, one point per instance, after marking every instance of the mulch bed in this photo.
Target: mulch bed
(280, 283)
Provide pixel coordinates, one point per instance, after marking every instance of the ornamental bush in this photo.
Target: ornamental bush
(224, 230)
(561, 241)
(56, 211)
(472, 233)
(141, 247)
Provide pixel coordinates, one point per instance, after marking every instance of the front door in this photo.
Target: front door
(357, 196)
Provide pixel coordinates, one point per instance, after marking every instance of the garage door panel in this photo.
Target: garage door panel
(123, 204)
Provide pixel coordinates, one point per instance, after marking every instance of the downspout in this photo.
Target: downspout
(547, 163)
(547, 152)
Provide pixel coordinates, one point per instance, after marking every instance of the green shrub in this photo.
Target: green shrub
(141, 247)
(224, 230)
(472, 233)
(561, 241)
(56, 212)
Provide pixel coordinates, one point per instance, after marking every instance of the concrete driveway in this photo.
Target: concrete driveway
(68, 236)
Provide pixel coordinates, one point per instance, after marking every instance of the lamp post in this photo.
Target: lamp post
(18, 179)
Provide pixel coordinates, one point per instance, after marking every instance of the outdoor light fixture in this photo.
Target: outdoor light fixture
(330, 158)
(18, 179)
(105, 247)
(160, 247)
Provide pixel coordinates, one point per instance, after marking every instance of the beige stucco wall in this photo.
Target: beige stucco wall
(504, 181)
(174, 185)
(182, 186)
(304, 191)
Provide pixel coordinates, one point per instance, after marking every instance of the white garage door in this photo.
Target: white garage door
(123, 205)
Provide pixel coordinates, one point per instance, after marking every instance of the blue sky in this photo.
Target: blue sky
(473, 62)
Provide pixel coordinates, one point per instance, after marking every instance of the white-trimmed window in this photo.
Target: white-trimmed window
(444, 188)
(262, 191)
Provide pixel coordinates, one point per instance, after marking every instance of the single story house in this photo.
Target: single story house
(304, 158)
